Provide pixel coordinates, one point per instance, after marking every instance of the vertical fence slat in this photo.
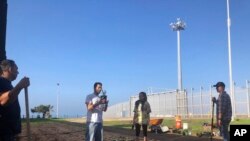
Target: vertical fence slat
(248, 105)
(201, 103)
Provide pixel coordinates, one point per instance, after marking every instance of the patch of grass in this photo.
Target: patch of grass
(118, 123)
(37, 121)
(193, 124)
(196, 124)
(41, 121)
(241, 121)
(75, 120)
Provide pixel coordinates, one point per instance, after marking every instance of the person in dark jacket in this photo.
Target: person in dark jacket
(10, 120)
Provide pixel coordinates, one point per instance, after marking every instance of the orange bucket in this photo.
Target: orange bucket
(178, 122)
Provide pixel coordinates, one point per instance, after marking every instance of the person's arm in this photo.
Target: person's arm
(135, 113)
(4, 98)
(135, 117)
(148, 108)
(220, 110)
(89, 105)
(225, 105)
(10, 96)
(220, 100)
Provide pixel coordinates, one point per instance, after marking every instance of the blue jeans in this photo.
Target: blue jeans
(94, 132)
(224, 130)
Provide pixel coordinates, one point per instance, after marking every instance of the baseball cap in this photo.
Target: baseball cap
(218, 84)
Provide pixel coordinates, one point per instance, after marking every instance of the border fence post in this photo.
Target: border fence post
(201, 101)
(211, 95)
(192, 99)
(248, 106)
(186, 105)
(234, 101)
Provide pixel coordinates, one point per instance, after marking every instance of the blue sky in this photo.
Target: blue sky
(126, 44)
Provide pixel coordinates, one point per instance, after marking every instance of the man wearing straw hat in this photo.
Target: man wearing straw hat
(10, 120)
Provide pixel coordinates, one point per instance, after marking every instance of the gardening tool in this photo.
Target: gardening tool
(208, 131)
(27, 113)
(212, 120)
(133, 127)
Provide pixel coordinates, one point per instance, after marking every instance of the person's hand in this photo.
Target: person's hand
(218, 122)
(102, 101)
(23, 83)
(133, 121)
(96, 104)
(213, 99)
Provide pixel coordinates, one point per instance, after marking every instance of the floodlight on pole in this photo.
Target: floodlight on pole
(178, 26)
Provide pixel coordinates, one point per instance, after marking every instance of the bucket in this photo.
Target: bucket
(178, 122)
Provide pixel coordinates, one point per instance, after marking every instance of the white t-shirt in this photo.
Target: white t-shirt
(96, 114)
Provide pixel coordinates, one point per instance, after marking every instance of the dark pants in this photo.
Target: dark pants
(224, 130)
(138, 129)
(7, 138)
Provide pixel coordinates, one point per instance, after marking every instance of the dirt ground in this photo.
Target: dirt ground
(67, 131)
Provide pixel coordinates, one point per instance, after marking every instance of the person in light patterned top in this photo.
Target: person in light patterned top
(141, 118)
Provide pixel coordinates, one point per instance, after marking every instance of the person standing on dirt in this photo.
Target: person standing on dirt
(10, 120)
(141, 118)
(223, 110)
(94, 129)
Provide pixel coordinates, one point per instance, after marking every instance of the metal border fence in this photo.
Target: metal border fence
(190, 103)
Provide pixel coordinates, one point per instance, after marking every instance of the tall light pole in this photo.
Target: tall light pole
(57, 100)
(178, 26)
(3, 23)
(230, 58)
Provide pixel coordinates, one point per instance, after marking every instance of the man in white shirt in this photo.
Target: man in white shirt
(94, 129)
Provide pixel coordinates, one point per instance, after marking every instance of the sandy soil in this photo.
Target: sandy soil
(68, 131)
